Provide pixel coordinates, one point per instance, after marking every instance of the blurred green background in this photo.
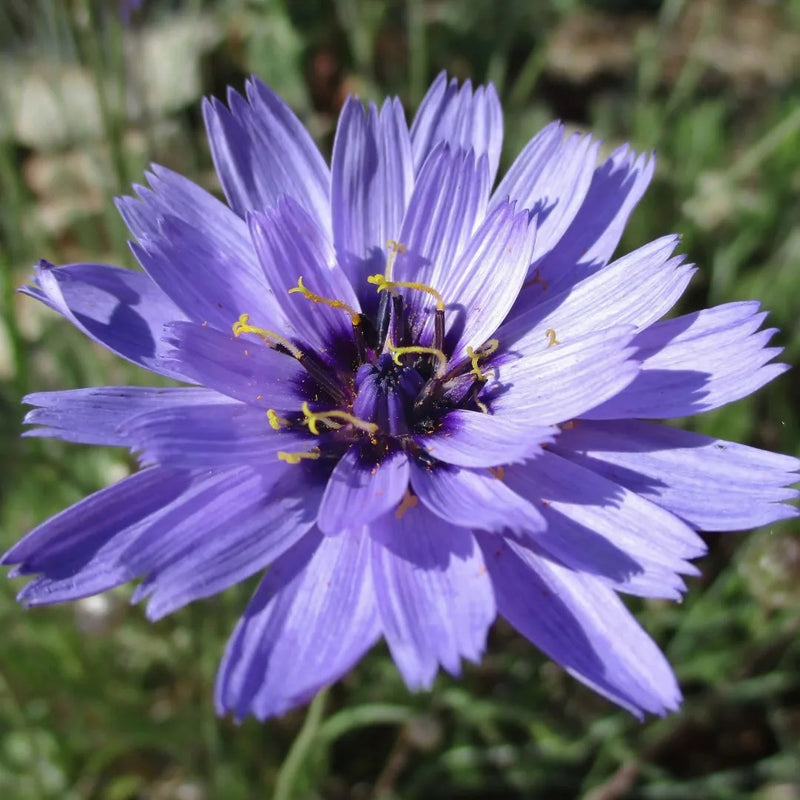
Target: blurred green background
(97, 703)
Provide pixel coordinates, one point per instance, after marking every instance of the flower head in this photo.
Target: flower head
(419, 401)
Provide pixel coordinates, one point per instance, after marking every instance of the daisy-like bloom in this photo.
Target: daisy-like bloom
(419, 402)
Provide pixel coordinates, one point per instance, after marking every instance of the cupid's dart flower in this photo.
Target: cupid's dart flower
(419, 402)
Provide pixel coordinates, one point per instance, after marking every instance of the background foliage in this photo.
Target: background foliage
(97, 703)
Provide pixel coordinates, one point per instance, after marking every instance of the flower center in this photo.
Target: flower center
(391, 389)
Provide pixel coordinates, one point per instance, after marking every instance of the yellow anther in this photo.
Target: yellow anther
(297, 457)
(242, 325)
(408, 502)
(497, 472)
(551, 337)
(275, 421)
(395, 249)
(398, 352)
(482, 406)
(485, 350)
(386, 285)
(325, 301)
(331, 419)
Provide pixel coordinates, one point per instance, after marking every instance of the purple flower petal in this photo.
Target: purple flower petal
(222, 536)
(474, 439)
(239, 367)
(208, 282)
(580, 623)
(290, 246)
(95, 415)
(617, 186)
(565, 380)
(475, 499)
(371, 185)
(120, 309)
(262, 153)
(481, 287)
(695, 363)
(637, 289)
(598, 527)
(358, 492)
(551, 184)
(77, 550)
(311, 619)
(713, 484)
(218, 436)
(436, 230)
(461, 118)
(433, 594)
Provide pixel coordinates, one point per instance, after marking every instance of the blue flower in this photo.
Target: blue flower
(420, 402)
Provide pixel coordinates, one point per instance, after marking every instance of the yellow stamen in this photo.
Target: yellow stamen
(485, 350)
(325, 301)
(397, 352)
(482, 406)
(408, 502)
(330, 418)
(242, 325)
(395, 249)
(551, 337)
(297, 457)
(275, 421)
(497, 472)
(384, 284)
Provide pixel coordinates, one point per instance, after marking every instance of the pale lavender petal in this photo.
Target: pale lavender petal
(311, 619)
(637, 289)
(563, 381)
(359, 491)
(436, 230)
(581, 624)
(481, 287)
(372, 179)
(474, 439)
(239, 367)
(599, 527)
(95, 415)
(475, 499)
(617, 186)
(461, 118)
(551, 183)
(695, 363)
(120, 309)
(262, 153)
(433, 594)
(290, 246)
(713, 484)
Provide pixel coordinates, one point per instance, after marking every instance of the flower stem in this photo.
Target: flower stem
(296, 757)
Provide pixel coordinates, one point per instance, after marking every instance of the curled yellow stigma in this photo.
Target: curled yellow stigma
(297, 457)
(275, 422)
(331, 418)
(497, 472)
(408, 502)
(395, 249)
(242, 325)
(325, 301)
(550, 333)
(485, 350)
(386, 285)
(398, 352)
